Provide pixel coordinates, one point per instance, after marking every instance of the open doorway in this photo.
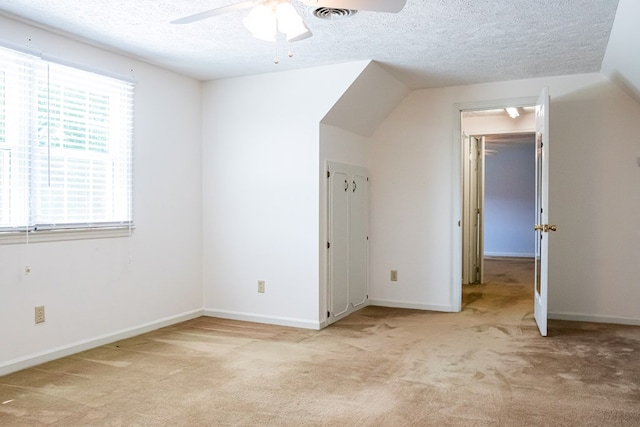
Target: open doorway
(498, 197)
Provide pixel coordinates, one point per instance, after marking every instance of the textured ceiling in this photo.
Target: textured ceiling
(430, 43)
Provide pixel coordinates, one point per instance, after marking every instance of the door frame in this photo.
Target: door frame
(456, 234)
(473, 188)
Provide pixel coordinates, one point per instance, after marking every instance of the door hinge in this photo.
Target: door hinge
(328, 174)
(328, 245)
(328, 314)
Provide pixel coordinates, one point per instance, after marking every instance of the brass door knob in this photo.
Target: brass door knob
(538, 227)
(550, 227)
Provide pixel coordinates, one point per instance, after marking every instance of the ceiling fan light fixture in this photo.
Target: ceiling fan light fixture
(290, 23)
(262, 23)
(267, 19)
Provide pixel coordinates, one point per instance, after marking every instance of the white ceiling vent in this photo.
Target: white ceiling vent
(331, 13)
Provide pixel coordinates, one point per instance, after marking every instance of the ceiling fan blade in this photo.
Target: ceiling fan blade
(302, 36)
(390, 6)
(217, 11)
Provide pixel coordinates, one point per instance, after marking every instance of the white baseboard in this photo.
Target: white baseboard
(576, 317)
(509, 255)
(270, 320)
(67, 350)
(411, 305)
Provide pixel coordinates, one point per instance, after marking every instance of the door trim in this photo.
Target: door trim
(456, 233)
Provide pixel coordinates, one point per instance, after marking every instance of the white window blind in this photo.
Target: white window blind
(65, 146)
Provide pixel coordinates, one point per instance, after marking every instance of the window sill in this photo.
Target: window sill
(20, 237)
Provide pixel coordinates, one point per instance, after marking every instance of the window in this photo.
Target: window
(65, 146)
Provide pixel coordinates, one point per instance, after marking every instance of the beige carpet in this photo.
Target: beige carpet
(486, 366)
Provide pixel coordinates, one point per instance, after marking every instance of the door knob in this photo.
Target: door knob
(538, 227)
(548, 227)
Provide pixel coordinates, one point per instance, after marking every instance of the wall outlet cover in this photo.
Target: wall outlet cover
(39, 314)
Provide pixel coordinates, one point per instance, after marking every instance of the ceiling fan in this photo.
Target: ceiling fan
(268, 17)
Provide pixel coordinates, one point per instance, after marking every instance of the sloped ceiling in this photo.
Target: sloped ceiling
(622, 61)
(371, 97)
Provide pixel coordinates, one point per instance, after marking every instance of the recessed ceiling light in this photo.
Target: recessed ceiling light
(513, 112)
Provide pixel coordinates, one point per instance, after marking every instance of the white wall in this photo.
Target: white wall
(91, 292)
(593, 200)
(410, 161)
(339, 145)
(261, 180)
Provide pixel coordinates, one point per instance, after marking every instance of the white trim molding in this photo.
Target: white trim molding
(578, 317)
(509, 255)
(269, 320)
(67, 350)
(411, 305)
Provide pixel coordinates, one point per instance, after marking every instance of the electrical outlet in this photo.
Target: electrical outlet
(394, 275)
(39, 314)
(261, 286)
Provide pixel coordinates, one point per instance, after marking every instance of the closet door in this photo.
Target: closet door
(358, 247)
(338, 243)
(348, 239)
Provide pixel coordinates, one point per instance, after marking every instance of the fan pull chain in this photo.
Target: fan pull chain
(276, 59)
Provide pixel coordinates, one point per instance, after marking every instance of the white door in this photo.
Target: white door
(358, 240)
(542, 226)
(348, 239)
(338, 244)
